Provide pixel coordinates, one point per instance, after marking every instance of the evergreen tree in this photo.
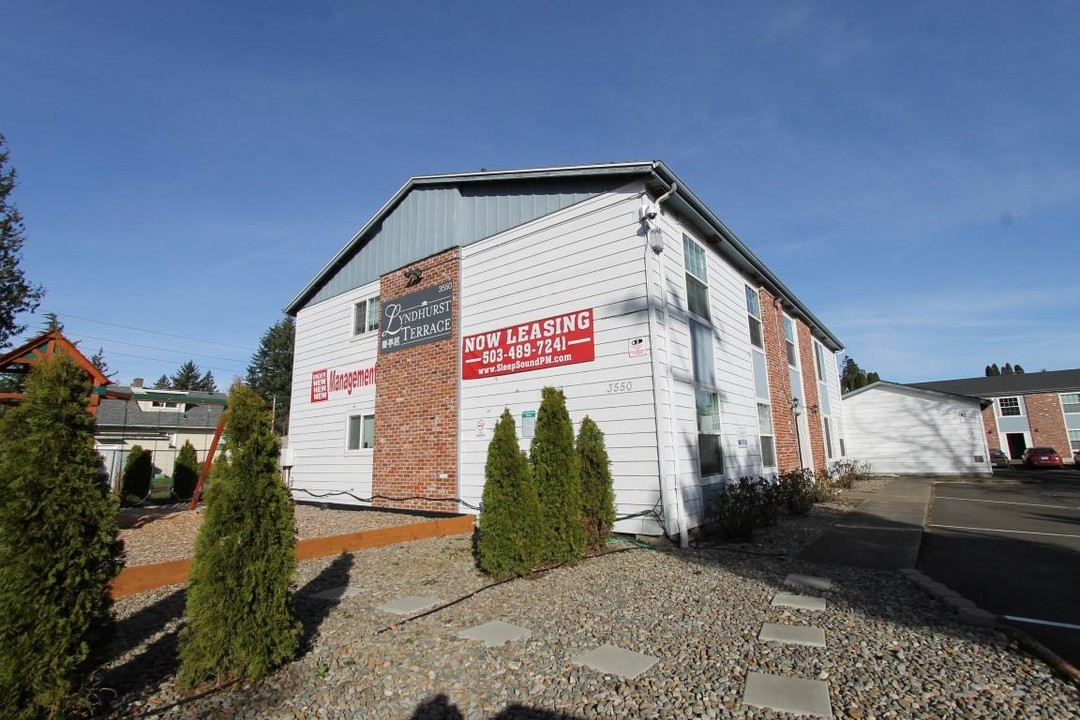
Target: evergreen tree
(58, 545)
(52, 323)
(162, 383)
(852, 377)
(1007, 370)
(17, 296)
(872, 377)
(597, 487)
(994, 370)
(1018, 369)
(185, 472)
(137, 477)
(98, 361)
(189, 377)
(270, 370)
(987, 371)
(241, 622)
(557, 474)
(509, 523)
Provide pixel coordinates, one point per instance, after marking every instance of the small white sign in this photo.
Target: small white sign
(743, 442)
(481, 426)
(636, 347)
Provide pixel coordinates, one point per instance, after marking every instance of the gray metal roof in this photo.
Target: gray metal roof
(115, 413)
(911, 389)
(1026, 384)
(443, 211)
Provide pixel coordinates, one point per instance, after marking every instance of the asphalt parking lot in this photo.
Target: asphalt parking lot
(1012, 546)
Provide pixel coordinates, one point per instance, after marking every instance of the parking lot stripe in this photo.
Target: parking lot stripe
(1033, 621)
(856, 526)
(997, 530)
(1009, 502)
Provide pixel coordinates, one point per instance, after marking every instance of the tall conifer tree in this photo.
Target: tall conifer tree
(557, 473)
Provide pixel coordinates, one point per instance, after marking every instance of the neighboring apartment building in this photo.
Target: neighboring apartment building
(467, 294)
(1039, 409)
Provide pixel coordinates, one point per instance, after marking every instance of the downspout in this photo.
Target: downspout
(654, 362)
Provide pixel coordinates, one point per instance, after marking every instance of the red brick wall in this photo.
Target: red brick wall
(993, 440)
(808, 367)
(1047, 423)
(416, 405)
(772, 321)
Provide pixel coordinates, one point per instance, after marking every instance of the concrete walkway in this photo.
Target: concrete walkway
(884, 532)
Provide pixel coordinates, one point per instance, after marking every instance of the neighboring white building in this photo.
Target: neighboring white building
(904, 430)
(467, 294)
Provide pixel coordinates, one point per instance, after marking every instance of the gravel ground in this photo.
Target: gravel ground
(893, 652)
(162, 533)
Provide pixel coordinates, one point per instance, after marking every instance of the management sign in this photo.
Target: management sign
(418, 318)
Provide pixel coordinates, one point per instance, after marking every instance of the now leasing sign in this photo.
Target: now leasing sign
(324, 382)
(550, 342)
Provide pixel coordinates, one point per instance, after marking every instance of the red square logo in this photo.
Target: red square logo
(319, 388)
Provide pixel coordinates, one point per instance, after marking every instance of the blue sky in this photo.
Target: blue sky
(910, 170)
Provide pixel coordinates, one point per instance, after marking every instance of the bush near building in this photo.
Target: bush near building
(240, 617)
(597, 487)
(797, 491)
(58, 545)
(138, 476)
(185, 472)
(509, 522)
(557, 474)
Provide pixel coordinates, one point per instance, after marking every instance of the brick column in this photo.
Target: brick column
(993, 440)
(772, 327)
(808, 367)
(1048, 423)
(416, 404)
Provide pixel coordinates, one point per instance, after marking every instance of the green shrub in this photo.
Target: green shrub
(58, 545)
(558, 480)
(509, 522)
(796, 490)
(240, 618)
(597, 488)
(138, 476)
(185, 472)
(740, 507)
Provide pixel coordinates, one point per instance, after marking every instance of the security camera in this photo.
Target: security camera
(650, 216)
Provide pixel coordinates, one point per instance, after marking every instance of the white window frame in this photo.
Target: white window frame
(707, 389)
(366, 420)
(1074, 439)
(1061, 399)
(369, 324)
(791, 345)
(819, 360)
(751, 318)
(763, 435)
(1000, 409)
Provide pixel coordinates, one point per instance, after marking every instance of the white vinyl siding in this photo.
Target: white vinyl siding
(318, 433)
(903, 431)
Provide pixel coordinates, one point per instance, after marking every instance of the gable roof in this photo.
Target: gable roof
(1025, 384)
(48, 343)
(568, 185)
(909, 390)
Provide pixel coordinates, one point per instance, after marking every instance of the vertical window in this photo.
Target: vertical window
(697, 279)
(1008, 406)
(819, 361)
(1070, 402)
(753, 312)
(1074, 440)
(828, 437)
(768, 440)
(789, 341)
(361, 432)
(710, 452)
(366, 316)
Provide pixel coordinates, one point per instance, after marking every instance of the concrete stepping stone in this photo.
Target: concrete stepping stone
(799, 602)
(337, 593)
(616, 661)
(793, 634)
(409, 605)
(495, 633)
(788, 694)
(808, 581)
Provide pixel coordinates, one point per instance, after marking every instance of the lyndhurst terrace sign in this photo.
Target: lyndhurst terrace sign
(418, 318)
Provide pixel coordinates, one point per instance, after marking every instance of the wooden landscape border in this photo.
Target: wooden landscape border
(141, 578)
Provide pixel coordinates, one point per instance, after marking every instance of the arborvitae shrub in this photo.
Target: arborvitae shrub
(597, 488)
(185, 472)
(58, 545)
(509, 524)
(557, 474)
(240, 618)
(138, 474)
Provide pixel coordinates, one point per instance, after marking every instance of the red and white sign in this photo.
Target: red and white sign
(560, 340)
(324, 382)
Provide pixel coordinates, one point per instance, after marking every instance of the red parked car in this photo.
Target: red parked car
(1041, 457)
